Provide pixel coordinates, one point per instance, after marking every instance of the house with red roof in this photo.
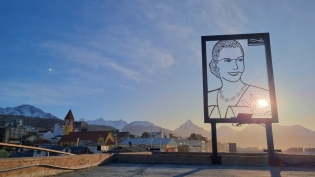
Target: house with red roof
(95, 140)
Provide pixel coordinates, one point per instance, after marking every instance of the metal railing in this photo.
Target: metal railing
(35, 148)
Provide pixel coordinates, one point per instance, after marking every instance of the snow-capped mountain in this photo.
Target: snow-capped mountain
(82, 119)
(118, 124)
(142, 123)
(189, 127)
(138, 127)
(26, 110)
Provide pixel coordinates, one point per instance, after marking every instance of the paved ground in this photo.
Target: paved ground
(132, 169)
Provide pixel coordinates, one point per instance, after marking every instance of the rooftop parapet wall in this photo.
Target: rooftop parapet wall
(191, 158)
(245, 160)
(163, 158)
(60, 164)
(45, 166)
(289, 160)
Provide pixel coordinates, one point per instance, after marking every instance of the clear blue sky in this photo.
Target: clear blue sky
(141, 60)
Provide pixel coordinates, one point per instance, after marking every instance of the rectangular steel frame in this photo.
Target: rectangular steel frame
(215, 158)
(271, 84)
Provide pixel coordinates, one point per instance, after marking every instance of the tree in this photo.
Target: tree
(193, 136)
(145, 135)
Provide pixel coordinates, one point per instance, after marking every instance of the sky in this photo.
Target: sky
(141, 60)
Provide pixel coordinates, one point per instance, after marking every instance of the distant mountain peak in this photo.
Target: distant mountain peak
(118, 124)
(25, 105)
(82, 119)
(101, 119)
(189, 127)
(188, 122)
(26, 110)
(142, 123)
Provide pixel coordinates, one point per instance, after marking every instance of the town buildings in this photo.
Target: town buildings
(163, 144)
(96, 140)
(15, 132)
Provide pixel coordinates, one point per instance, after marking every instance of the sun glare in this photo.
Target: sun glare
(262, 103)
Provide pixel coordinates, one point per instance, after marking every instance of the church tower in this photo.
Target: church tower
(69, 119)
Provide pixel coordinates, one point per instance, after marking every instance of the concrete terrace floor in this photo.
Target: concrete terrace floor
(132, 169)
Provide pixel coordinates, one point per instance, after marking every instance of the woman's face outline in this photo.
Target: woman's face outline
(231, 64)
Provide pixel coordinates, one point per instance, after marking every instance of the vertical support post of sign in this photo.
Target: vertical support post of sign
(272, 159)
(215, 158)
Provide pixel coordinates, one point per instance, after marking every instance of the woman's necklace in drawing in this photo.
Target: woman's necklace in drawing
(233, 97)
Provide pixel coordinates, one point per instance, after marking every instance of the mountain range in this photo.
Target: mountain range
(138, 127)
(283, 136)
(250, 136)
(26, 110)
(188, 128)
(118, 124)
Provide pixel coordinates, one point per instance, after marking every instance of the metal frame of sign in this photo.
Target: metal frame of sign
(272, 93)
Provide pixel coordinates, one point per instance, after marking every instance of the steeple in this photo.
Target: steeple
(69, 116)
(69, 119)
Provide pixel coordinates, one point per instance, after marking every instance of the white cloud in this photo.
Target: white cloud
(154, 10)
(179, 30)
(136, 53)
(126, 71)
(39, 93)
(136, 57)
(126, 87)
(151, 59)
(91, 58)
(180, 24)
(226, 16)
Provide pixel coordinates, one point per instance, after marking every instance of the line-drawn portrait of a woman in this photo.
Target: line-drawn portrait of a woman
(234, 96)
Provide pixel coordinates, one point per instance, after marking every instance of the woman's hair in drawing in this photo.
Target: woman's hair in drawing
(216, 53)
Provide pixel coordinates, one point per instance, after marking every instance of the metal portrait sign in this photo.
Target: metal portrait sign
(238, 83)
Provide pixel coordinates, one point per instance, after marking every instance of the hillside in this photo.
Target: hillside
(284, 137)
(189, 127)
(26, 110)
(40, 123)
(100, 128)
(117, 124)
(138, 127)
(48, 123)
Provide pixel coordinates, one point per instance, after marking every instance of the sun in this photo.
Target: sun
(262, 103)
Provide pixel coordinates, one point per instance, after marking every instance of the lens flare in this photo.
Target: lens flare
(262, 103)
